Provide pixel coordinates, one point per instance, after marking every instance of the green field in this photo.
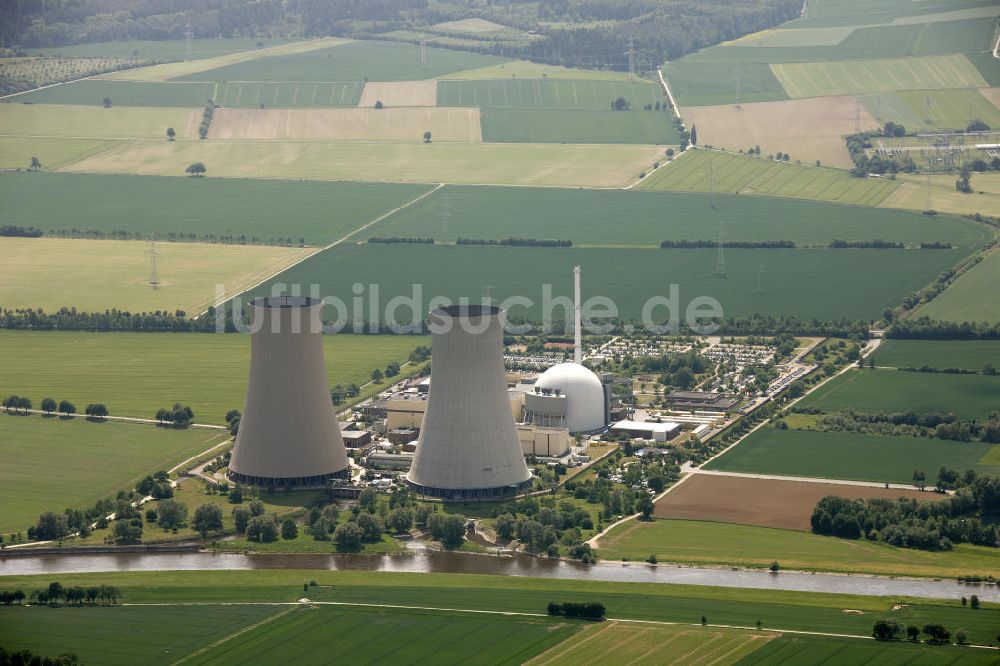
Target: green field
(966, 354)
(862, 76)
(972, 297)
(54, 152)
(988, 67)
(648, 217)
(525, 69)
(952, 109)
(122, 93)
(642, 601)
(96, 275)
(196, 94)
(967, 396)
(264, 209)
(828, 284)
(547, 93)
(58, 120)
(355, 61)
(577, 126)
(709, 543)
(118, 635)
(608, 165)
(808, 650)
(115, 368)
(707, 83)
(161, 50)
(851, 456)
(738, 174)
(50, 463)
(362, 636)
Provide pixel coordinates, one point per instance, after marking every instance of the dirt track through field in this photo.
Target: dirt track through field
(351, 124)
(762, 502)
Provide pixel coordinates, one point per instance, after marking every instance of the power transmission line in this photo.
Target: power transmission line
(720, 260)
(154, 256)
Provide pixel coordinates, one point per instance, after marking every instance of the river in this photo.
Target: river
(518, 565)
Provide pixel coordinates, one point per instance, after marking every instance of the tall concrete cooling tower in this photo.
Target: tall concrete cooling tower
(288, 433)
(468, 446)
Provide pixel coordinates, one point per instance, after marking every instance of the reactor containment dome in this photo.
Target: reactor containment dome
(468, 446)
(571, 391)
(288, 434)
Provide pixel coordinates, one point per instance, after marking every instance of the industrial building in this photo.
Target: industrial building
(659, 432)
(568, 396)
(468, 445)
(288, 435)
(700, 400)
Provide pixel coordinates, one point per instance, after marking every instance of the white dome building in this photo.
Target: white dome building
(567, 395)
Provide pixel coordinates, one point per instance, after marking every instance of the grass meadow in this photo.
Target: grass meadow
(51, 463)
(708, 83)
(504, 125)
(318, 212)
(609, 165)
(53, 152)
(160, 50)
(949, 109)
(864, 76)
(852, 456)
(967, 396)
(942, 197)
(627, 643)
(972, 297)
(809, 650)
(354, 61)
(739, 174)
(95, 275)
(828, 284)
(57, 120)
(965, 354)
(91, 92)
(646, 217)
(708, 543)
(134, 374)
(525, 69)
(544, 93)
(642, 601)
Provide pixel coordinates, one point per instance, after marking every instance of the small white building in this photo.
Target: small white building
(657, 432)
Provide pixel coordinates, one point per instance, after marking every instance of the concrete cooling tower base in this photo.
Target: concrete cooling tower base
(317, 481)
(462, 494)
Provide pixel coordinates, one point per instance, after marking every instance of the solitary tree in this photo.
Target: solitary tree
(106, 102)
(36, 164)
(694, 135)
(66, 407)
(427, 137)
(48, 405)
(96, 410)
(376, 376)
(171, 514)
(207, 518)
(378, 104)
(289, 530)
(196, 170)
(171, 134)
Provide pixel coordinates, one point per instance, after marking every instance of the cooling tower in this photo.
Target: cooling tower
(468, 446)
(288, 433)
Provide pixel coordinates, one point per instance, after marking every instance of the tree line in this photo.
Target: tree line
(516, 242)
(400, 239)
(912, 523)
(17, 231)
(766, 244)
(912, 424)
(55, 593)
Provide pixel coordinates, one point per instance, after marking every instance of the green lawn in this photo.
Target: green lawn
(287, 94)
(697, 83)
(967, 396)
(855, 284)
(503, 125)
(987, 66)
(57, 120)
(355, 61)
(737, 174)
(50, 463)
(53, 152)
(949, 109)
(809, 650)
(966, 354)
(709, 543)
(648, 217)
(319, 212)
(665, 602)
(134, 374)
(851, 456)
(972, 297)
(120, 635)
(545, 93)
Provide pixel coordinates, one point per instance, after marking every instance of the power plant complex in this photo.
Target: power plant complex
(461, 434)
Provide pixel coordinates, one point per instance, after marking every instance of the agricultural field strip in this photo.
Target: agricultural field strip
(327, 247)
(491, 612)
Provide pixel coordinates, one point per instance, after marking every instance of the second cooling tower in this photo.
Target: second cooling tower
(288, 433)
(468, 446)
